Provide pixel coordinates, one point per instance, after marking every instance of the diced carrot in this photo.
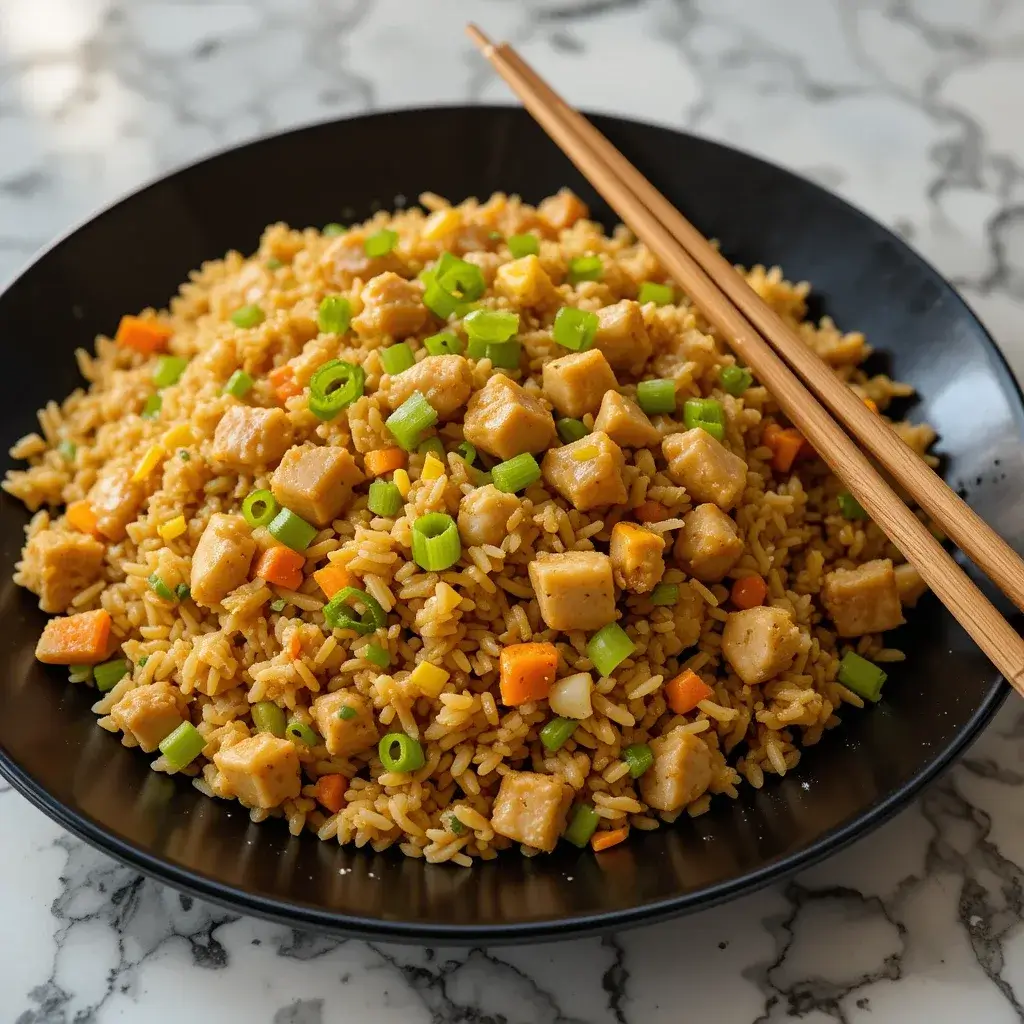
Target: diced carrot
(145, 336)
(749, 592)
(871, 404)
(75, 639)
(332, 578)
(686, 691)
(785, 445)
(527, 672)
(602, 840)
(82, 517)
(282, 378)
(330, 791)
(294, 647)
(384, 460)
(650, 512)
(282, 566)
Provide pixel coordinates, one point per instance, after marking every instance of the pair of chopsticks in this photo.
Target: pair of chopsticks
(773, 351)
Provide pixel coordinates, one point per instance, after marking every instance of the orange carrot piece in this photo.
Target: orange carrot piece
(384, 460)
(294, 646)
(785, 445)
(282, 378)
(749, 592)
(145, 336)
(871, 404)
(686, 691)
(282, 566)
(330, 791)
(650, 512)
(82, 517)
(75, 639)
(603, 840)
(527, 672)
(332, 578)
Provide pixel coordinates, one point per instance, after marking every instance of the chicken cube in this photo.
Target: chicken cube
(681, 771)
(575, 384)
(345, 259)
(587, 472)
(249, 436)
(484, 514)
(625, 422)
(506, 420)
(709, 544)
(222, 558)
(115, 499)
(57, 565)
(261, 771)
(863, 600)
(316, 482)
(525, 282)
(530, 808)
(909, 584)
(622, 336)
(705, 467)
(574, 589)
(760, 643)
(345, 733)
(562, 210)
(446, 382)
(148, 713)
(392, 306)
(636, 554)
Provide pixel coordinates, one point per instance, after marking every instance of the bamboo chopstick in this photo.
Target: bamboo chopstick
(976, 614)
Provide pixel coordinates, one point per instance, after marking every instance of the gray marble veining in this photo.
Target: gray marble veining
(914, 110)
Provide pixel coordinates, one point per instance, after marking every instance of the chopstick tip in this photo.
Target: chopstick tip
(477, 35)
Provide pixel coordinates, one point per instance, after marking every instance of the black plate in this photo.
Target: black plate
(135, 255)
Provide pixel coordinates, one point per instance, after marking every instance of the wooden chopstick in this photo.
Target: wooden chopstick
(958, 520)
(973, 610)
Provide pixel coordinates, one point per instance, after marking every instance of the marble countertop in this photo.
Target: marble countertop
(912, 109)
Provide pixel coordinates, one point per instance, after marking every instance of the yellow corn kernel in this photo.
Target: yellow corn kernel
(148, 462)
(177, 436)
(428, 679)
(402, 482)
(172, 528)
(433, 468)
(441, 223)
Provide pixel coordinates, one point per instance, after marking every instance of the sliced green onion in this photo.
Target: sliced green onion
(656, 396)
(183, 455)
(346, 713)
(706, 413)
(582, 826)
(585, 268)
(438, 301)
(571, 430)
(453, 825)
(67, 450)
(483, 478)
(152, 408)
(665, 593)
(168, 370)
(333, 229)
(182, 591)
(609, 647)
(339, 614)
(385, 499)
(109, 674)
(491, 325)
(432, 446)
(278, 604)
(443, 344)
(575, 328)
(400, 753)
(274, 263)
(296, 730)
(291, 530)
(334, 314)
(516, 474)
(523, 245)
(377, 655)
(467, 451)
(268, 717)
(143, 660)
(396, 358)
(248, 316)
(556, 732)
(410, 419)
(239, 384)
(505, 354)
(182, 746)
(659, 294)
(862, 676)
(381, 243)
(735, 379)
(850, 507)
(639, 757)
(462, 280)
(435, 542)
(259, 508)
(160, 588)
(335, 386)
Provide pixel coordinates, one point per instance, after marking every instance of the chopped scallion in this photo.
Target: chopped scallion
(384, 499)
(396, 358)
(333, 229)
(248, 316)
(410, 419)
(582, 826)
(585, 268)
(609, 647)
(467, 451)
(516, 474)
(443, 344)
(296, 730)
(381, 243)
(659, 294)
(400, 753)
(259, 508)
(491, 325)
(435, 542)
(278, 604)
(346, 713)
(239, 384)
(656, 396)
(67, 450)
(639, 757)
(556, 732)
(160, 588)
(665, 593)
(291, 530)
(269, 717)
(571, 430)
(109, 674)
(376, 655)
(706, 413)
(182, 746)
(523, 245)
(168, 370)
(335, 386)
(152, 408)
(862, 676)
(735, 379)
(339, 613)
(575, 328)
(334, 314)
(850, 507)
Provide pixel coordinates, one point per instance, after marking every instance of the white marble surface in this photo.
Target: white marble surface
(913, 109)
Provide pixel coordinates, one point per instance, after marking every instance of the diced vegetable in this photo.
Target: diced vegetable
(585, 268)
(82, 517)
(278, 604)
(749, 592)
(706, 413)
(384, 498)
(291, 530)
(443, 344)
(151, 407)
(462, 280)
(402, 482)
(273, 263)
(332, 230)
(281, 566)
(347, 713)
(396, 358)
(172, 528)
(861, 676)
(850, 507)
(435, 542)
(785, 445)
(338, 612)
(182, 591)
(527, 672)
(330, 792)
(384, 460)
(429, 679)
(491, 325)
(381, 243)
(299, 731)
(268, 717)
(182, 746)
(570, 696)
(686, 691)
(248, 316)
(75, 639)
(735, 379)
(659, 294)
(639, 757)
(650, 512)
(400, 753)
(259, 508)
(332, 578)
(168, 370)
(605, 840)
(239, 384)
(334, 314)
(556, 732)
(376, 655)
(282, 379)
(570, 430)
(575, 328)
(157, 585)
(666, 594)
(335, 386)
(516, 474)
(522, 245)
(466, 451)
(609, 647)
(67, 450)
(582, 826)
(410, 419)
(152, 458)
(433, 468)
(656, 396)
(145, 336)
(503, 354)
(109, 674)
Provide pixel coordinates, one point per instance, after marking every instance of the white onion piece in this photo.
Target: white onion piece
(570, 697)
